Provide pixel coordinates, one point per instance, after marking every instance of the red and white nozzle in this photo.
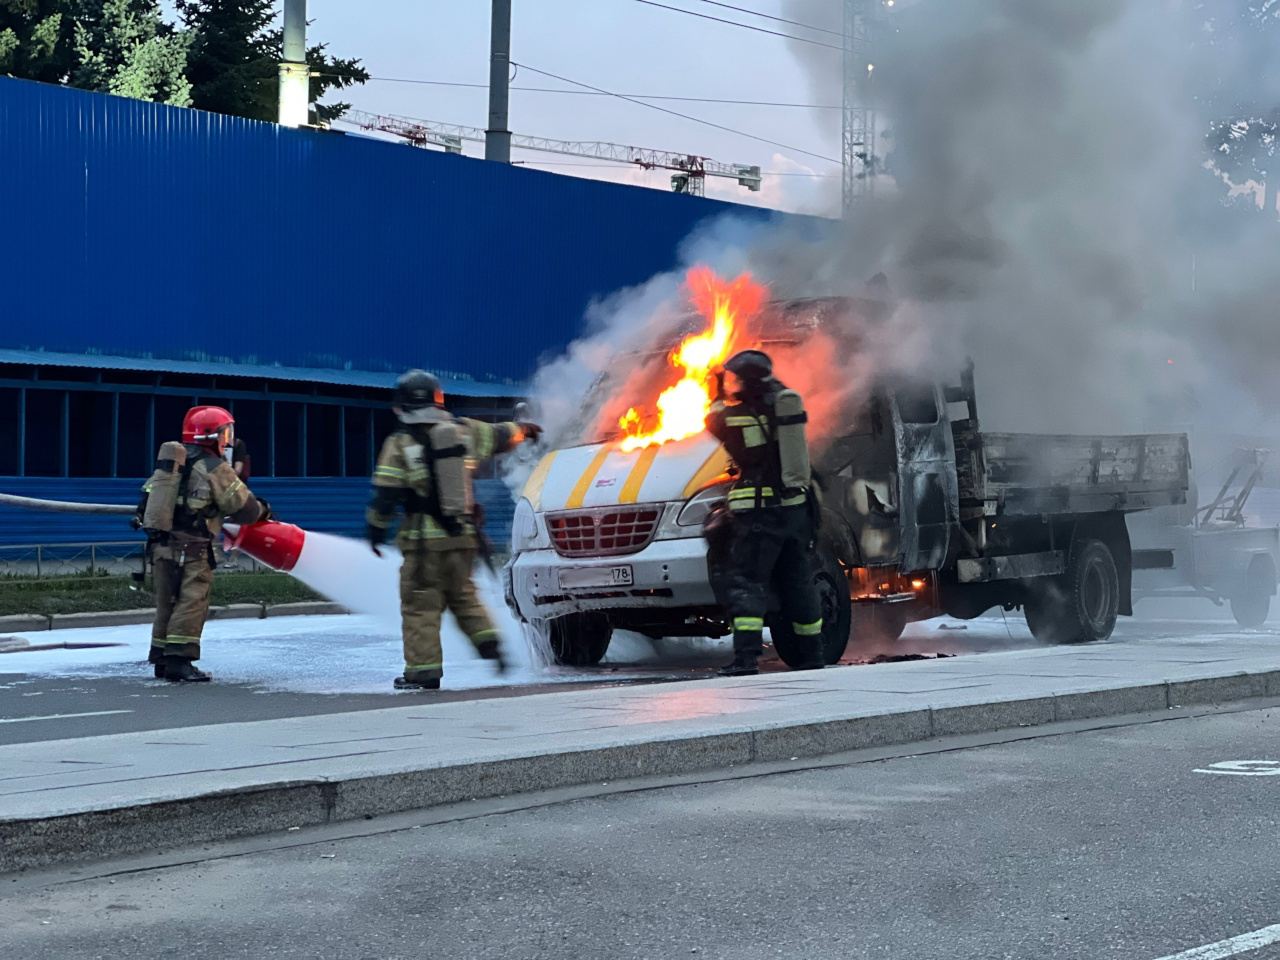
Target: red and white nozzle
(276, 544)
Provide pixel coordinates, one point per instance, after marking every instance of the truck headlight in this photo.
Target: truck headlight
(700, 504)
(526, 531)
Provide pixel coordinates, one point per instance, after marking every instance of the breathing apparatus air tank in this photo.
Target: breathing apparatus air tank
(448, 459)
(162, 488)
(793, 448)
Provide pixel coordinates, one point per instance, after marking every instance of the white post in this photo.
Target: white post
(295, 74)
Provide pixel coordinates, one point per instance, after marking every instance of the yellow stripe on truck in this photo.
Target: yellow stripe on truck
(717, 464)
(584, 482)
(537, 480)
(635, 480)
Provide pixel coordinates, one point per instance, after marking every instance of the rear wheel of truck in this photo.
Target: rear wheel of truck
(837, 609)
(1251, 606)
(1081, 605)
(580, 639)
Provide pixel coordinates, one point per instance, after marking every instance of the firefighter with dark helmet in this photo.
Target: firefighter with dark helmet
(771, 537)
(182, 510)
(423, 472)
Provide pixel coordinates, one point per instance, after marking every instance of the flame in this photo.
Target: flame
(682, 408)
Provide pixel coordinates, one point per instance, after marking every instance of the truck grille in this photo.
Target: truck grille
(602, 532)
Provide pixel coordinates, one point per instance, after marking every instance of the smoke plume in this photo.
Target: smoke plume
(1045, 208)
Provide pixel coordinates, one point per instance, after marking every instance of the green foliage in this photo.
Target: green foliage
(84, 593)
(222, 55)
(235, 57)
(36, 40)
(123, 47)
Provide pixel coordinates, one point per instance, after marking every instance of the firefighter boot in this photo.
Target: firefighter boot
(813, 658)
(421, 683)
(156, 658)
(744, 664)
(182, 670)
(491, 649)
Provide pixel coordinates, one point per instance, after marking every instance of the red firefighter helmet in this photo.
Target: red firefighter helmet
(210, 427)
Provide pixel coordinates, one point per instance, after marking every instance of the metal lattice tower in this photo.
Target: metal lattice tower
(858, 139)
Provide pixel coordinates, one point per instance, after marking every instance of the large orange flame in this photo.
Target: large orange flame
(682, 408)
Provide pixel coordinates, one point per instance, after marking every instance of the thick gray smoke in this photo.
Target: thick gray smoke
(1046, 210)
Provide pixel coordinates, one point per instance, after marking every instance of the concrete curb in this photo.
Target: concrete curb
(307, 608)
(24, 623)
(103, 618)
(238, 611)
(239, 812)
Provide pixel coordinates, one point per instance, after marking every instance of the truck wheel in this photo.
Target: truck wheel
(580, 639)
(1251, 606)
(837, 609)
(1081, 605)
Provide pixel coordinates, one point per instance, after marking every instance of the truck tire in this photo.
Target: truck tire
(580, 639)
(1251, 606)
(837, 610)
(1081, 605)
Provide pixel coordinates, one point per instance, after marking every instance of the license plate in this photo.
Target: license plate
(577, 578)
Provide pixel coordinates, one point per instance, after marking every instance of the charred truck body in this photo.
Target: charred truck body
(924, 515)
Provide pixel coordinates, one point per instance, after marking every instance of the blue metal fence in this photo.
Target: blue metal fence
(137, 229)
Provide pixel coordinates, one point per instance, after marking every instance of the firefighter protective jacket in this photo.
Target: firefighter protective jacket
(749, 431)
(208, 491)
(404, 480)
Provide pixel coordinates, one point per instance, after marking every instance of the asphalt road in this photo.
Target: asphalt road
(1104, 845)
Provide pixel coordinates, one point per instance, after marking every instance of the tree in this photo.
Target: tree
(124, 47)
(36, 41)
(235, 56)
(1243, 136)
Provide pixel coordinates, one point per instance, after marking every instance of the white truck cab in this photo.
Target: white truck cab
(606, 539)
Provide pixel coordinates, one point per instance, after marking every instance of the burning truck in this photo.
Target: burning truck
(923, 513)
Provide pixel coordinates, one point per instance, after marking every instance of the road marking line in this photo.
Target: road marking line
(62, 716)
(1244, 768)
(1245, 943)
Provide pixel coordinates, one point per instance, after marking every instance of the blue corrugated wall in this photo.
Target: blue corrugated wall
(137, 229)
(326, 505)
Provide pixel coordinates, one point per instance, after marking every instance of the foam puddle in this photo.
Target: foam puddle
(348, 572)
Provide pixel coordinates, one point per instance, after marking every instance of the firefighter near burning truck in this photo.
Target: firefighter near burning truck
(423, 473)
(923, 513)
(182, 509)
(767, 528)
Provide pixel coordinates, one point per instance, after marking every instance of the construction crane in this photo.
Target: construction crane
(689, 171)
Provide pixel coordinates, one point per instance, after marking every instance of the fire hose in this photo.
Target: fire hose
(65, 506)
(275, 544)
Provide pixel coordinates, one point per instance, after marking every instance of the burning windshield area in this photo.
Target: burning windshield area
(663, 391)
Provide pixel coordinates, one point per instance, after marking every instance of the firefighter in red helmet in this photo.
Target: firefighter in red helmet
(182, 510)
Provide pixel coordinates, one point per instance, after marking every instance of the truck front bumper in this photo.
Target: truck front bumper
(668, 574)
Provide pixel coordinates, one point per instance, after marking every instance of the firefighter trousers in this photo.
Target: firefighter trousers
(431, 582)
(182, 590)
(772, 545)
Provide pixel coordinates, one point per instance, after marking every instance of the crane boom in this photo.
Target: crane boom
(690, 169)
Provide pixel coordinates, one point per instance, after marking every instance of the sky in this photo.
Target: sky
(618, 45)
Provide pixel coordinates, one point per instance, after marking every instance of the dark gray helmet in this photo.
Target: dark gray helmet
(417, 389)
(750, 365)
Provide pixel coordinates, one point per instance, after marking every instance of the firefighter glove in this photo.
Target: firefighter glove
(265, 511)
(532, 431)
(377, 536)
